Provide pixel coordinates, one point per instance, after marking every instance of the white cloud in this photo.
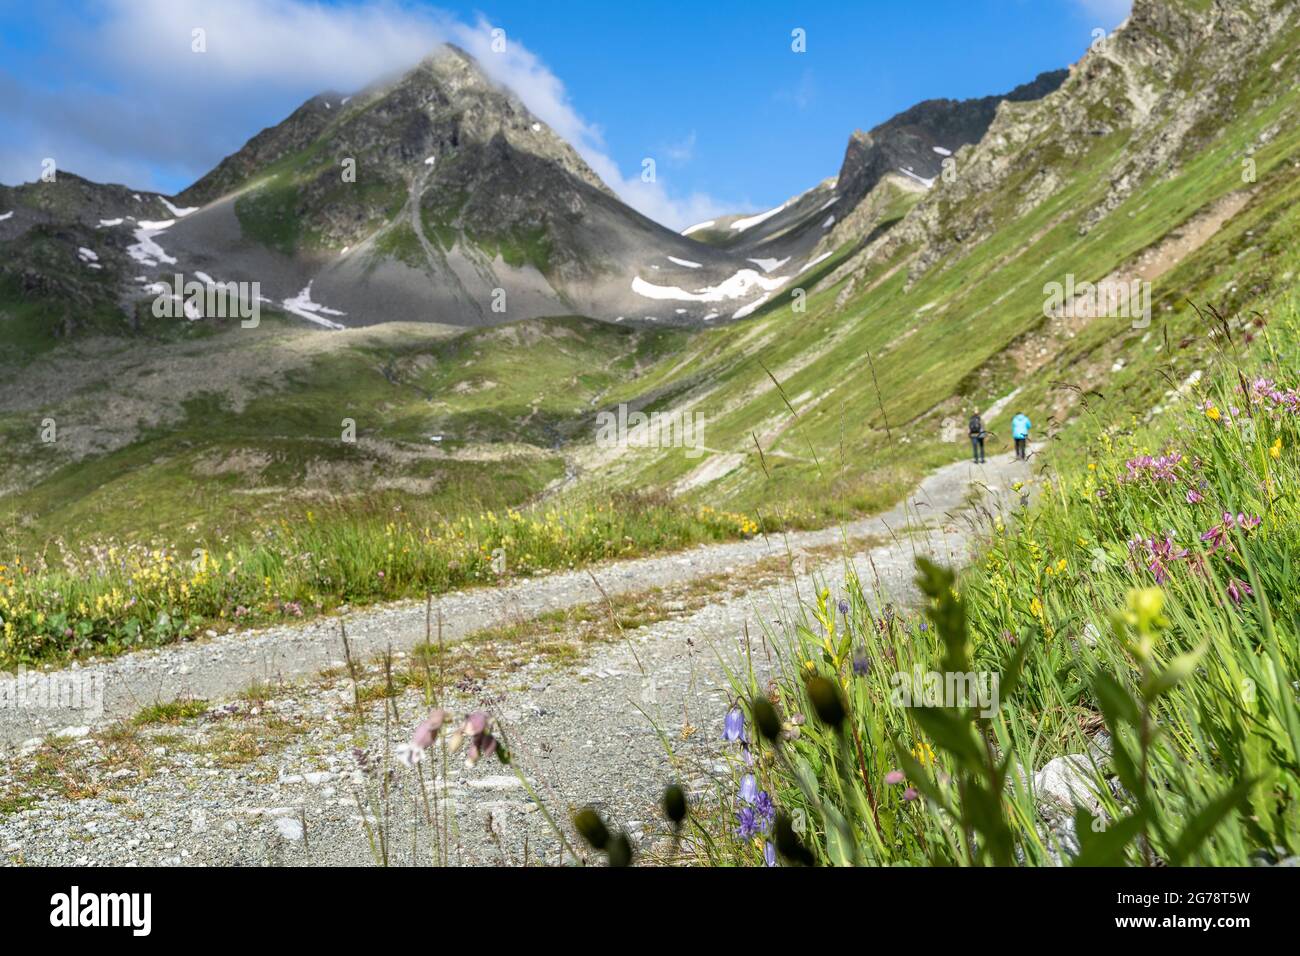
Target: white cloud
(682, 151)
(544, 94)
(1108, 13)
(174, 109)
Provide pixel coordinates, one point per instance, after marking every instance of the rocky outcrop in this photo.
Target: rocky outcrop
(1163, 81)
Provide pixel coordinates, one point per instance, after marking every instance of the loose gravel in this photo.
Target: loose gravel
(282, 763)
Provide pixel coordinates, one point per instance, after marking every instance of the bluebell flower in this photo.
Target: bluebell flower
(769, 854)
(844, 608)
(862, 665)
(734, 727)
(749, 826)
(765, 809)
(748, 788)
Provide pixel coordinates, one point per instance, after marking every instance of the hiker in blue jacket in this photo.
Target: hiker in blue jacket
(1020, 426)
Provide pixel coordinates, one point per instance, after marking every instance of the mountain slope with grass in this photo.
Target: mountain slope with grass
(1168, 155)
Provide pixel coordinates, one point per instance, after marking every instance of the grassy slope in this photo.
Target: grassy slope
(931, 342)
(1191, 675)
(517, 388)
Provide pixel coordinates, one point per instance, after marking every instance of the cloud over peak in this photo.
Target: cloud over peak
(144, 106)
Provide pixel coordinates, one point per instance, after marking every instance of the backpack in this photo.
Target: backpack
(976, 426)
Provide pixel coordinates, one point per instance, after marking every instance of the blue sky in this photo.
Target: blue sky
(734, 118)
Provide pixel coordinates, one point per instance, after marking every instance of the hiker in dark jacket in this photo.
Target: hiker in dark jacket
(977, 434)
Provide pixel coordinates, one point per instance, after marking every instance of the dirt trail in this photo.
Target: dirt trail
(273, 776)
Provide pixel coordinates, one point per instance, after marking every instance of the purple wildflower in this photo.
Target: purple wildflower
(734, 726)
(1237, 589)
(748, 788)
(422, 739)
(477, 728)
(1219, 536)
(769, 854)
(765, 809)
(1157, 554)
(894, 777)
(1154, 470)
(748, 823)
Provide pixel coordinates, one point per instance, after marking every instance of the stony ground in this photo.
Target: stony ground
(277, 747)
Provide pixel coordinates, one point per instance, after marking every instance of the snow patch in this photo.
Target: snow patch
(104, 222)
(695, 228)
(830, 221)
(767, 265)
(927, 183)
(685, 262)
(88, 255)
(8, 215)
(828, 205)
(537, 127)
(430, 160)
(740, 225)
(750, 309)
(941, 151)
(302, 305)
(178, 213)
(742, 284)
(191, 308)
(808, 265)
(145, 250)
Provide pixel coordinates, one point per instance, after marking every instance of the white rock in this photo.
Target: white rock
(289, 828)
(1066, 783)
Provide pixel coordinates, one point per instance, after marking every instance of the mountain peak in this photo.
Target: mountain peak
(915, 142)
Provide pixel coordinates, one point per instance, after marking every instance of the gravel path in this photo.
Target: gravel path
(286, 762)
